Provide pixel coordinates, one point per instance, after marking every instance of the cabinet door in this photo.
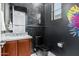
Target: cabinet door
(19, 21)
(24, 47)
(10, 49)
(19, 18)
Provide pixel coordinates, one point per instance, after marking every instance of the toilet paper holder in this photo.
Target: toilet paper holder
(60, 44)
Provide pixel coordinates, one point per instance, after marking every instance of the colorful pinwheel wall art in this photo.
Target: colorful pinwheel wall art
(73, 18)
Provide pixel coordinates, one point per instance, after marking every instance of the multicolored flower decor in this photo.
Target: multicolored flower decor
(73, 18)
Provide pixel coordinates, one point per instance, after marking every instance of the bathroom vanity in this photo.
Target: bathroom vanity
(18, 45)
(17, 42)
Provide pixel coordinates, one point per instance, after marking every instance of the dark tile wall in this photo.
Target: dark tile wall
(58, 31)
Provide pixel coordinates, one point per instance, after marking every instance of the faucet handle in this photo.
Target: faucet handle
(2, 43)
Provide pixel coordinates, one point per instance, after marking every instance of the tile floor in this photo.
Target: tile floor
(49, 54)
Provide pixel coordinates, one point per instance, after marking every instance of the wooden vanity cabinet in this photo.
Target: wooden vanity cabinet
(17, 48)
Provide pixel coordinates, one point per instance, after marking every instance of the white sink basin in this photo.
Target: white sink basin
(15, 36)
